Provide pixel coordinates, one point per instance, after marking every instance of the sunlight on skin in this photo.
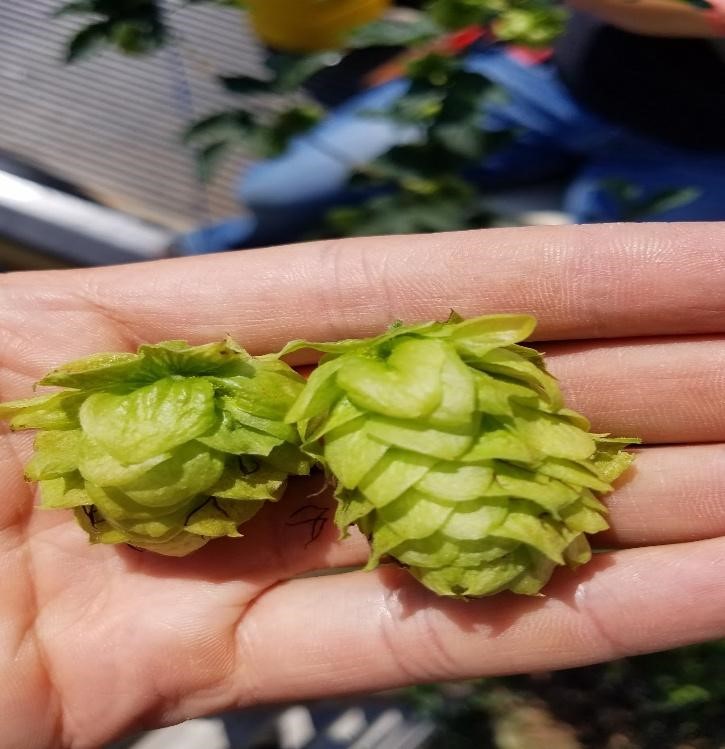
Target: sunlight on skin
(97, 642)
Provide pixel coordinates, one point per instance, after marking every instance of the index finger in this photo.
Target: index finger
(579, 281)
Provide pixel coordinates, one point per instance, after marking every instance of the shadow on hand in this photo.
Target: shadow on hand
(491, 615)
(285, 539)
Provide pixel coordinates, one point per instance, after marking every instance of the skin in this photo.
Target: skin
(671, 18)
(96, 642)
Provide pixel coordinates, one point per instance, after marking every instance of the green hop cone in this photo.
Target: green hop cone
(452, 450)
(163, 449)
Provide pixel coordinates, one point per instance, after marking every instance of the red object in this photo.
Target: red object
(716, 19)
(527, 55)
(451, 44)
(463, 39)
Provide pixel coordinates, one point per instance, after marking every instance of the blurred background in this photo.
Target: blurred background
(139, 129)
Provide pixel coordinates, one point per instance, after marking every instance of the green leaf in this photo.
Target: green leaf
(578, 517)
(342, 413)
(178, 358)
(473, 521)
(390, 32)
(63, 492)
(266, 394)
(494, 441)
(209, 157)
(549, 435)
(351, 507)
(533, 27)
(407, 385)
(538, 533)
(150, 420)
(514, 366)
(578, 551)
(232, 125)
(351, 453)
(537, 573)
(190, 471)
(218, 518)
(610, 461)
(395, 473)
(53, 411)
(458, 403)
(494, 394)
(458, 14)
(231, 436)
(290, 459)
(156, 530)
(447, 444)
(129, 516)
(56, 453)
(100, 467)
(320, 392)
(291, 71)
(274, 138)
(662, 202)
(480, 335)
(213, 521)
(460, 581)
(440, 551)
(246, 84)
(97, 527)
(273, 427)
(137, 35)
(180, 546)
(548, 493)
(240, 512)
(573, 473)
(454, 482)
(264, 482)
(88, 40)
(415, 515)
(98, 371)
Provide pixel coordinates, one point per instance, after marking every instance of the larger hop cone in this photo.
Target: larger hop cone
(166, 448)
(453, 452)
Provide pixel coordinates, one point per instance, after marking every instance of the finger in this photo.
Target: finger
(670, 495)
(581, 282)
(363, 631)
(659, 389)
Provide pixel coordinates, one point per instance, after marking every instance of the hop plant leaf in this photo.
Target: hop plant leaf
(452, 450)
(166, 448)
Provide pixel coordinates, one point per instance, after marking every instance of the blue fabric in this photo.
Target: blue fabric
(288, 195)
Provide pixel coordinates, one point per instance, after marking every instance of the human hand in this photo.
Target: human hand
(668, 18)
(96, 642)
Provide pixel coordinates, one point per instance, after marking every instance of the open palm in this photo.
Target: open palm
(98, 641)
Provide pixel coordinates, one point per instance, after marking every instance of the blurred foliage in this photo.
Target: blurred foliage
(417, 187)
(134, 26)
(414, 188)
(633, 203)
(670, 700)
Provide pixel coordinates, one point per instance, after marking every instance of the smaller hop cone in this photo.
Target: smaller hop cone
(166, 448)
(452, 450)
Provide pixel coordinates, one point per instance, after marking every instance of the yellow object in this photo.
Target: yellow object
(310, 25)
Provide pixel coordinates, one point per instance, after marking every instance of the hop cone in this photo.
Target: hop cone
(453, 452)
(166, 448)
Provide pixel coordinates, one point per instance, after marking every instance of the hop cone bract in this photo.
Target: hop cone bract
(453, 452)
(166, 448)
